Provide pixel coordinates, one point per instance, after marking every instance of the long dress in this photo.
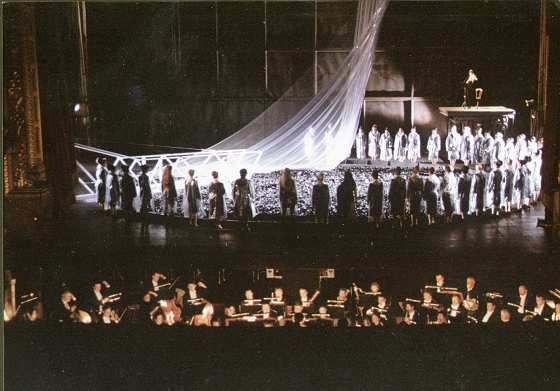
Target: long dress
(375, 200)
(145, 193)
(434, 146)
(216, 200)
(386, 147)
(399, 146)
(479, 190)
(449, 189)
(487, 149)
(288, 196)
(414, 146)
(191, 199)
(346, 199)
(100, 186)
(243, 198)
(320, 200)
(431, 193)
(478, 149)
(128, 192)
(113, 191)
(169, 192)
(373, 146)
(453, 146)
(467, 148)
(464, 192)
(510, 152)
(415, 190)
(361, 142)
(496, 186)
(499, 152)
(397, 196)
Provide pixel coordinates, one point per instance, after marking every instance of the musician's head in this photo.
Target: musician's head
(381, 300)
(107, 311)
(249, 295)
(97, 286)
(266, 308)
(522, 290)
(279, 293)
(427, 296)
(440, 279)
(471, 282)
(323, 310)
(557, 307)
(409, 307)
(375, 287)
(505, 315)
(342, 293)
(159, 319)
(441, 318)
(375, 319)
(303, 292)
(66, 296)
(539, 299)
(455, 299)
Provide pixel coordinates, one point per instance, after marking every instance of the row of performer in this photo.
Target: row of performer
(497, 188)
(480, 147)
(173, 302)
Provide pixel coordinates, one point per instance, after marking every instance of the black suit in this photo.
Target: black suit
(494, 318)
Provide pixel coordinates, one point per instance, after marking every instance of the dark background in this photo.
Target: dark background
(191, 73)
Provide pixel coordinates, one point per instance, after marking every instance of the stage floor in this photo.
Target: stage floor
(500, 251)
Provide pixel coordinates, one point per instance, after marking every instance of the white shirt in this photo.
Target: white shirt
(192, 294)
(522, 300)
(98, 295)
(487, 316)
(106, 320)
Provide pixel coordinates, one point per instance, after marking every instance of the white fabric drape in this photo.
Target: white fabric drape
(321, 133)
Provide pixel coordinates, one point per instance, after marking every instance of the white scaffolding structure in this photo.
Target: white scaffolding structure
(226, 162)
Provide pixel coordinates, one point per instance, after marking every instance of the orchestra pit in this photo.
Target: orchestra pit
(278, 195)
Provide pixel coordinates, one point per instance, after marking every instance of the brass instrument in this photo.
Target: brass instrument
(494, 295)
(471, 305)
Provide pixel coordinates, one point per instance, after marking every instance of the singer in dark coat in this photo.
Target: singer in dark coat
(216, 195)
(145, 191)
(128, 190)
(375, 198)
(464, 190)
(346, 194)
(479, 188)
(320, 200)
(397, 194)
(414, 193)
(496, 185)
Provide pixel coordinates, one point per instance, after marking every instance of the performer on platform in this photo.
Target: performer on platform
(386, 146)
(470, 86)
(169, 192)
(397, 196)
(217, 200)
(499, 152)
(243, 197)
(191, 199)
(375, 199)
(373, 146)
(464, 191)
(496, 179)
(431, 195)
(287, 193)
(449, 191)
(479, 189)
(413, 146)
(453, 146)
(478, 154)
(467, 146)
(521, 147)
(320, 200)
(487, 148)
(100, 176)
(415, 190)
(128, 191)
(361, 143)
(346, 195)
(113, 191)
(434, 146)
(510, 152)
(400, 146)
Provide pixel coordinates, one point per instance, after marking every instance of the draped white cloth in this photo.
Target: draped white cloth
(319, 135)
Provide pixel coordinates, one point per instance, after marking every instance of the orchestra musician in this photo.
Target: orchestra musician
(555, 317)
(430, 308)
(541, 311)
(471, 297)
(455, 312)
(523, 300)
(491, 315)
(505, 316)
(411, 315)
